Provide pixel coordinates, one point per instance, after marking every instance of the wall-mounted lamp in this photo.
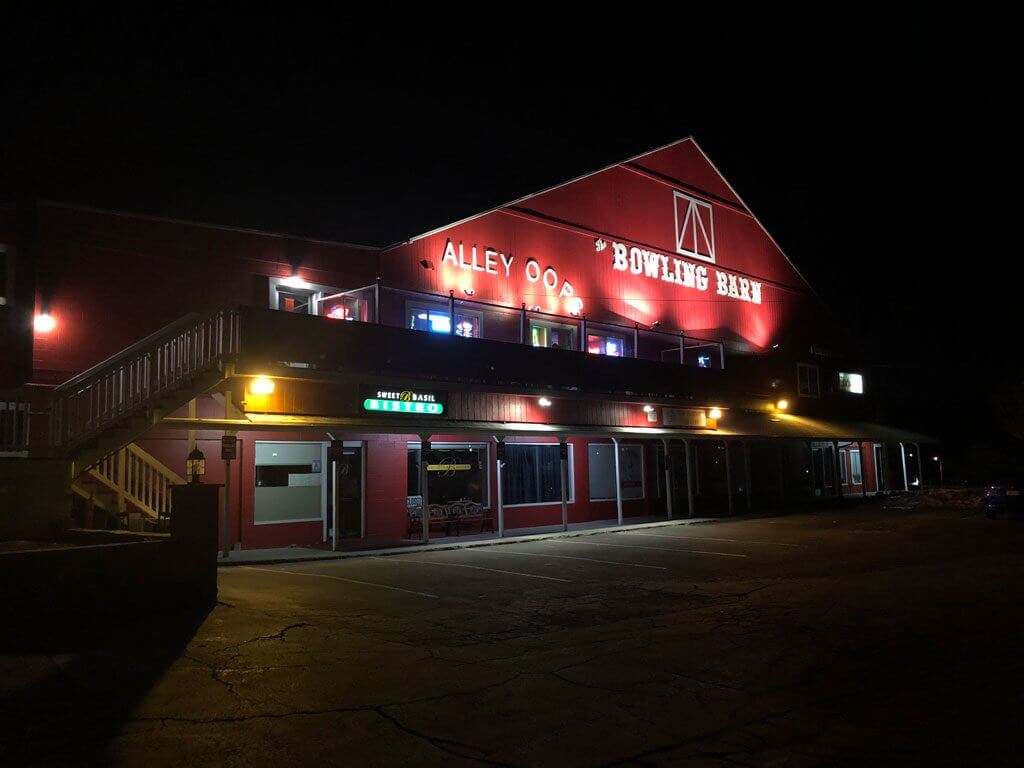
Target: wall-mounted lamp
(468, 291)
(715, 413)
(195, 466)
(261, 385)
(648, 409)
(782, 405)
(426, 263)
(544, 402)
(44, 322)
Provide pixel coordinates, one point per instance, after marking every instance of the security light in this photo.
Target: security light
(544, 402)
(782, 405)
(715, 413)
(648, 409)
(294, 281)
(262, 386)
(44, 322)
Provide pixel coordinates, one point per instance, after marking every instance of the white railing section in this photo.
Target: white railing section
(132, 380)
(139, 478)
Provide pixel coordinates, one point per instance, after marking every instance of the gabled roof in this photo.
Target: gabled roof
(713, 185)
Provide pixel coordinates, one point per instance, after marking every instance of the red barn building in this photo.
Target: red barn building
(629, 345)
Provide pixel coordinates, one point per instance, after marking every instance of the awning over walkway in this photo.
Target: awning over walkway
(737, 424)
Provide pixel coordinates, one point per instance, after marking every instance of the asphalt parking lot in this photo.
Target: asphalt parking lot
(861, 636)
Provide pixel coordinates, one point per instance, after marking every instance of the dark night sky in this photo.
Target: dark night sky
(882, 152)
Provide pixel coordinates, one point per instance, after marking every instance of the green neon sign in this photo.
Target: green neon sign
(375, 404)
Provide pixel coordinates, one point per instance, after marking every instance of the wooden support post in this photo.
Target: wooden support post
(690, 476)
(618, 481)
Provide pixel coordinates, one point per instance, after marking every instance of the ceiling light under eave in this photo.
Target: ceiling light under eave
(715, 413)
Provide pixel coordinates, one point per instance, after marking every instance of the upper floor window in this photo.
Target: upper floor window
(544, 333)
(851, 382)
(808, 380)
(436, 318)
(605, 344)
(291, 294)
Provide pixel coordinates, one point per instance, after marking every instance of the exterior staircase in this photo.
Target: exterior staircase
(131, 486)
(91, 422)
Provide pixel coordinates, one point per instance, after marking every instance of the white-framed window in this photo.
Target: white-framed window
(456, 472)
(852, 383)
(533, 474)
(856, 474)
(546, 333)
(602, 471)
(292, 295)
(435, 317)
(808, 380)
(609, 344)
(290, 485)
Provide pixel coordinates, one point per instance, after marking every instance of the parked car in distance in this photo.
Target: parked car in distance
(1004, 496)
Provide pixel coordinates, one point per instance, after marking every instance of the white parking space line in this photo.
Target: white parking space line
(639, 546)
(712, 538)
(473, 567)
(503, 551)
(341, 578)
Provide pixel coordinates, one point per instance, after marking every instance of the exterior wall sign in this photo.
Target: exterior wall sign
(670, 269)
(494, 262)
(405, 401)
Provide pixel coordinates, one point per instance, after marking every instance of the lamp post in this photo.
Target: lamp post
(938, 460)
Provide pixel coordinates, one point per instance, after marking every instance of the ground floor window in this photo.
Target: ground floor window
(533, 474)
(855, 469)
(289, 482)
(602, 471)
(456, 472)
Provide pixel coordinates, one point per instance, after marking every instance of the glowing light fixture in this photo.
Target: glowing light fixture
(295, 282)
(262, 386)
(195, 466)
(544, 402)
(648, 409)
(715, 413)
(44, 322)
(782, 405)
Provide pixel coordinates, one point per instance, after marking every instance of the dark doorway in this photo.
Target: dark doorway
(348, 478)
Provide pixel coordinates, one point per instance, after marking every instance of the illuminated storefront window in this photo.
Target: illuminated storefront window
(437, 320)
(544, 333)
(612, 346)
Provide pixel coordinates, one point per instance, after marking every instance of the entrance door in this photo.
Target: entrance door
(823, 470)
(349, 484)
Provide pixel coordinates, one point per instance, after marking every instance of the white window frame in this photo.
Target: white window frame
(315, 290)
(817, 379)
(572, 479)
(643, 471)
(323, 485)
(856, 478)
